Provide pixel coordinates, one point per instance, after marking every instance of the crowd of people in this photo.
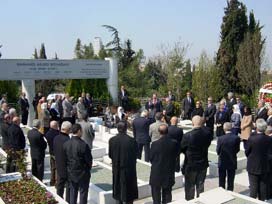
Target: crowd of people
(155, 131)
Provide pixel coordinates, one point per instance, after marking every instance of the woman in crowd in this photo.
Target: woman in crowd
(246, 125)
(236, 118)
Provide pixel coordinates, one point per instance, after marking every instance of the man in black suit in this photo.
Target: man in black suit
(171, 96)
(257, 161)
(262, 111)
(37, 150)
(24, 107)
(175, 133)
(16, 142)
(79, 161)
(123, 98)
(62, 178)
(188, 105)
(209, 114)
(123, 153)
(230, 102)
(140, 127)
(154, 105)
(169, 109)
(195, 146)
(227, 148)
(50, 136)
(221, 117)
(5, 124)
(163, 156)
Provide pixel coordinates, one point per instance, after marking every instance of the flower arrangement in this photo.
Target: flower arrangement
(25, 191)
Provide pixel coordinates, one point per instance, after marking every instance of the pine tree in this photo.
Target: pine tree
(78, 49)
(43, 52)
(35, 55)
(233, 30)
(250, 58)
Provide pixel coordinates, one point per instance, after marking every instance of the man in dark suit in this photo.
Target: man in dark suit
(230, 102)
(227, 148)
(123, 153)
(5, 124)
(163, 158)
(169, 109)
(123, 98)
(175, 133)
(140, 127)
(257, 160)
(240, 104)
(154, 105)
(171, 96)
(50, 136)
(188, 105)
(62, 178)
(37, 149)
(79, 161)
(195, 146)
(24, 107)
(261, 111)
(209, 114)
(16, 142)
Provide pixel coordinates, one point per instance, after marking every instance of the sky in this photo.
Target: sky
(148, 23)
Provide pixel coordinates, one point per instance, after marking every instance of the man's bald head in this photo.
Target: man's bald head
(54, 125)
(197, 121)
(174, 120)
(16, 120)
(163, 129)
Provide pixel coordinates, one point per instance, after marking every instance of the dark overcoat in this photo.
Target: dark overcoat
(163, 156)
(123, 152)
(37, 144)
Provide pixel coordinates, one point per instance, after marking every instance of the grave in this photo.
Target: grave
(213, 160)
(100, 190)
(221, 196)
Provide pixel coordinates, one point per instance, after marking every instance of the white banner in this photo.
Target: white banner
(18, 69)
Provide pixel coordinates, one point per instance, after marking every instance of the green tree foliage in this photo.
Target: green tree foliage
(43, 52)
(250, 58)
(206, 81)
(35, 54)
(115, 44)
(128, 54)
(96, 87)
(11, 89)
(233, 30)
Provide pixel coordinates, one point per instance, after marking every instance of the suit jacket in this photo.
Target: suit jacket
(16, 137)
(37, 144)
(24, 105)
(187, 106)
(257, 153)
(67, 109)
(209, 115)
(154, 130)
(227, 148)
(4, 133)
(154, 107)
(195, 146)
(78, 159)
(163, 156)
(50, 136)
(81, 110)
(198, 111)
(169, 108)
(123, 97)
(175, 133)
(88, 133)
(246, 127)
(262, 114)
(140, 128)
(59, 154)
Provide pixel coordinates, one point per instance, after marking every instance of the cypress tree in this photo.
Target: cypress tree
(233, 30)
(42, 52)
